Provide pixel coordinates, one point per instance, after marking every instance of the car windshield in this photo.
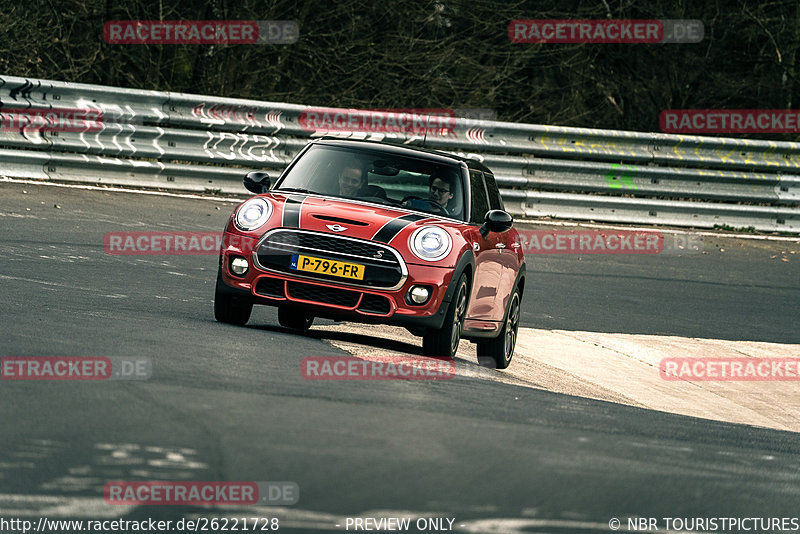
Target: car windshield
(373, 176)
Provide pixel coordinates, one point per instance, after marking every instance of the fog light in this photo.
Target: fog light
(419, 294)
(239, 266)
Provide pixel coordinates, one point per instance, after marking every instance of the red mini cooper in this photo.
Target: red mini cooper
(377, 233)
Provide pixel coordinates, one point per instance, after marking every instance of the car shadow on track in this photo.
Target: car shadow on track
(320, 333)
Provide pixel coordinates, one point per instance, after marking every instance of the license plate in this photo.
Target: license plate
(354, 271)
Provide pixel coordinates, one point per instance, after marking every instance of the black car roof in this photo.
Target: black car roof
(443, 157)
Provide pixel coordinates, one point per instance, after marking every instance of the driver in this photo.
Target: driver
(441, 191)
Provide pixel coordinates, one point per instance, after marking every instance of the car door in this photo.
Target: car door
(508, 247)
(488, 268)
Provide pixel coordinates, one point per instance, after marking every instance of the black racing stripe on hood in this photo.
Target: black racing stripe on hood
(393, 227)
(291, 210)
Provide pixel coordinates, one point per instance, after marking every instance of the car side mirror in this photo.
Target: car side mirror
(256, 182)
(496, 221)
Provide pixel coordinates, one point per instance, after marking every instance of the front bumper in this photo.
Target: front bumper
(324, 298)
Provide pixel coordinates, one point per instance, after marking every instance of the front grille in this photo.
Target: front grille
(382, 269)
(270, 287)
(324, 295)
(326, 243)
(376, 304)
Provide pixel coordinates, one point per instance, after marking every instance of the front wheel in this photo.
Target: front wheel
(498, 352)
(444, 341)
(229, 308)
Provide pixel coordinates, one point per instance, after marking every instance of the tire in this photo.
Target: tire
(229, 308)
(444, 341)
(498, 352)
(294, 319)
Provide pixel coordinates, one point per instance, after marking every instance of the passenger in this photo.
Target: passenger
(352, 180)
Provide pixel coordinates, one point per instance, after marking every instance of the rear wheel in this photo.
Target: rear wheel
(498, 352)
(294, 319)
(229, 308)
(444, 341)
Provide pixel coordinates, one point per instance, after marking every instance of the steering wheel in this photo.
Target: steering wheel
(435, 205)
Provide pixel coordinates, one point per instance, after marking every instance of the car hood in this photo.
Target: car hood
(346, 217)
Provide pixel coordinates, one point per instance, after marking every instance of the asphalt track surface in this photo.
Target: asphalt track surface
(229, 403)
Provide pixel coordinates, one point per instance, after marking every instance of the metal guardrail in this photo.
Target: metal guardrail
(196, 143)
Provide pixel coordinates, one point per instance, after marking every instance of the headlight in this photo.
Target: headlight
(430, 243)
(253, 214)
